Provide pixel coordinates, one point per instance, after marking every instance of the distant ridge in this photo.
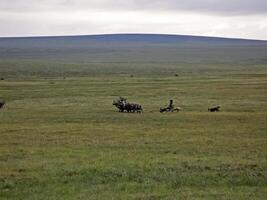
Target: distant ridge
(124, 53)
(150, 38)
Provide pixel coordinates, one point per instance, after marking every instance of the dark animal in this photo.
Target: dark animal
(2, 103)
(214, 109)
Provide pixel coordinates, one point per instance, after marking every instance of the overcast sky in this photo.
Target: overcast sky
(225, 18)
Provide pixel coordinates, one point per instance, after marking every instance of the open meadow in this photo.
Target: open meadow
(61, 137)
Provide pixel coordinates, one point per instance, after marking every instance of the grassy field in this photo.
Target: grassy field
(63, 139)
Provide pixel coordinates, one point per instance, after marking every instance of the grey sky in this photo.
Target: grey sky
(226, 18)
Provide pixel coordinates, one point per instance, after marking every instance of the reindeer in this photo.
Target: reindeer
(120, 104)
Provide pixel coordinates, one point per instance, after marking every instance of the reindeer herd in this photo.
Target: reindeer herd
(123, 105)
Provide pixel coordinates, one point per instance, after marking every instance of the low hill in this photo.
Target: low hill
(129, 38)
(82, 53)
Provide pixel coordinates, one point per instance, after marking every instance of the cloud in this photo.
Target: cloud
(226, 18)
(217, 7)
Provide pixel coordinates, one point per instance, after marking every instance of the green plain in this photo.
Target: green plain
(61, 138)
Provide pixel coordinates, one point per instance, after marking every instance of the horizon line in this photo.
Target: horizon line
(106, 34)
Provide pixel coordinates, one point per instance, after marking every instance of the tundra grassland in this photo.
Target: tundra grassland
(63, 139)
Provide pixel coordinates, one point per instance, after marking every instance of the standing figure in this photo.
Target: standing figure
(171, 106)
